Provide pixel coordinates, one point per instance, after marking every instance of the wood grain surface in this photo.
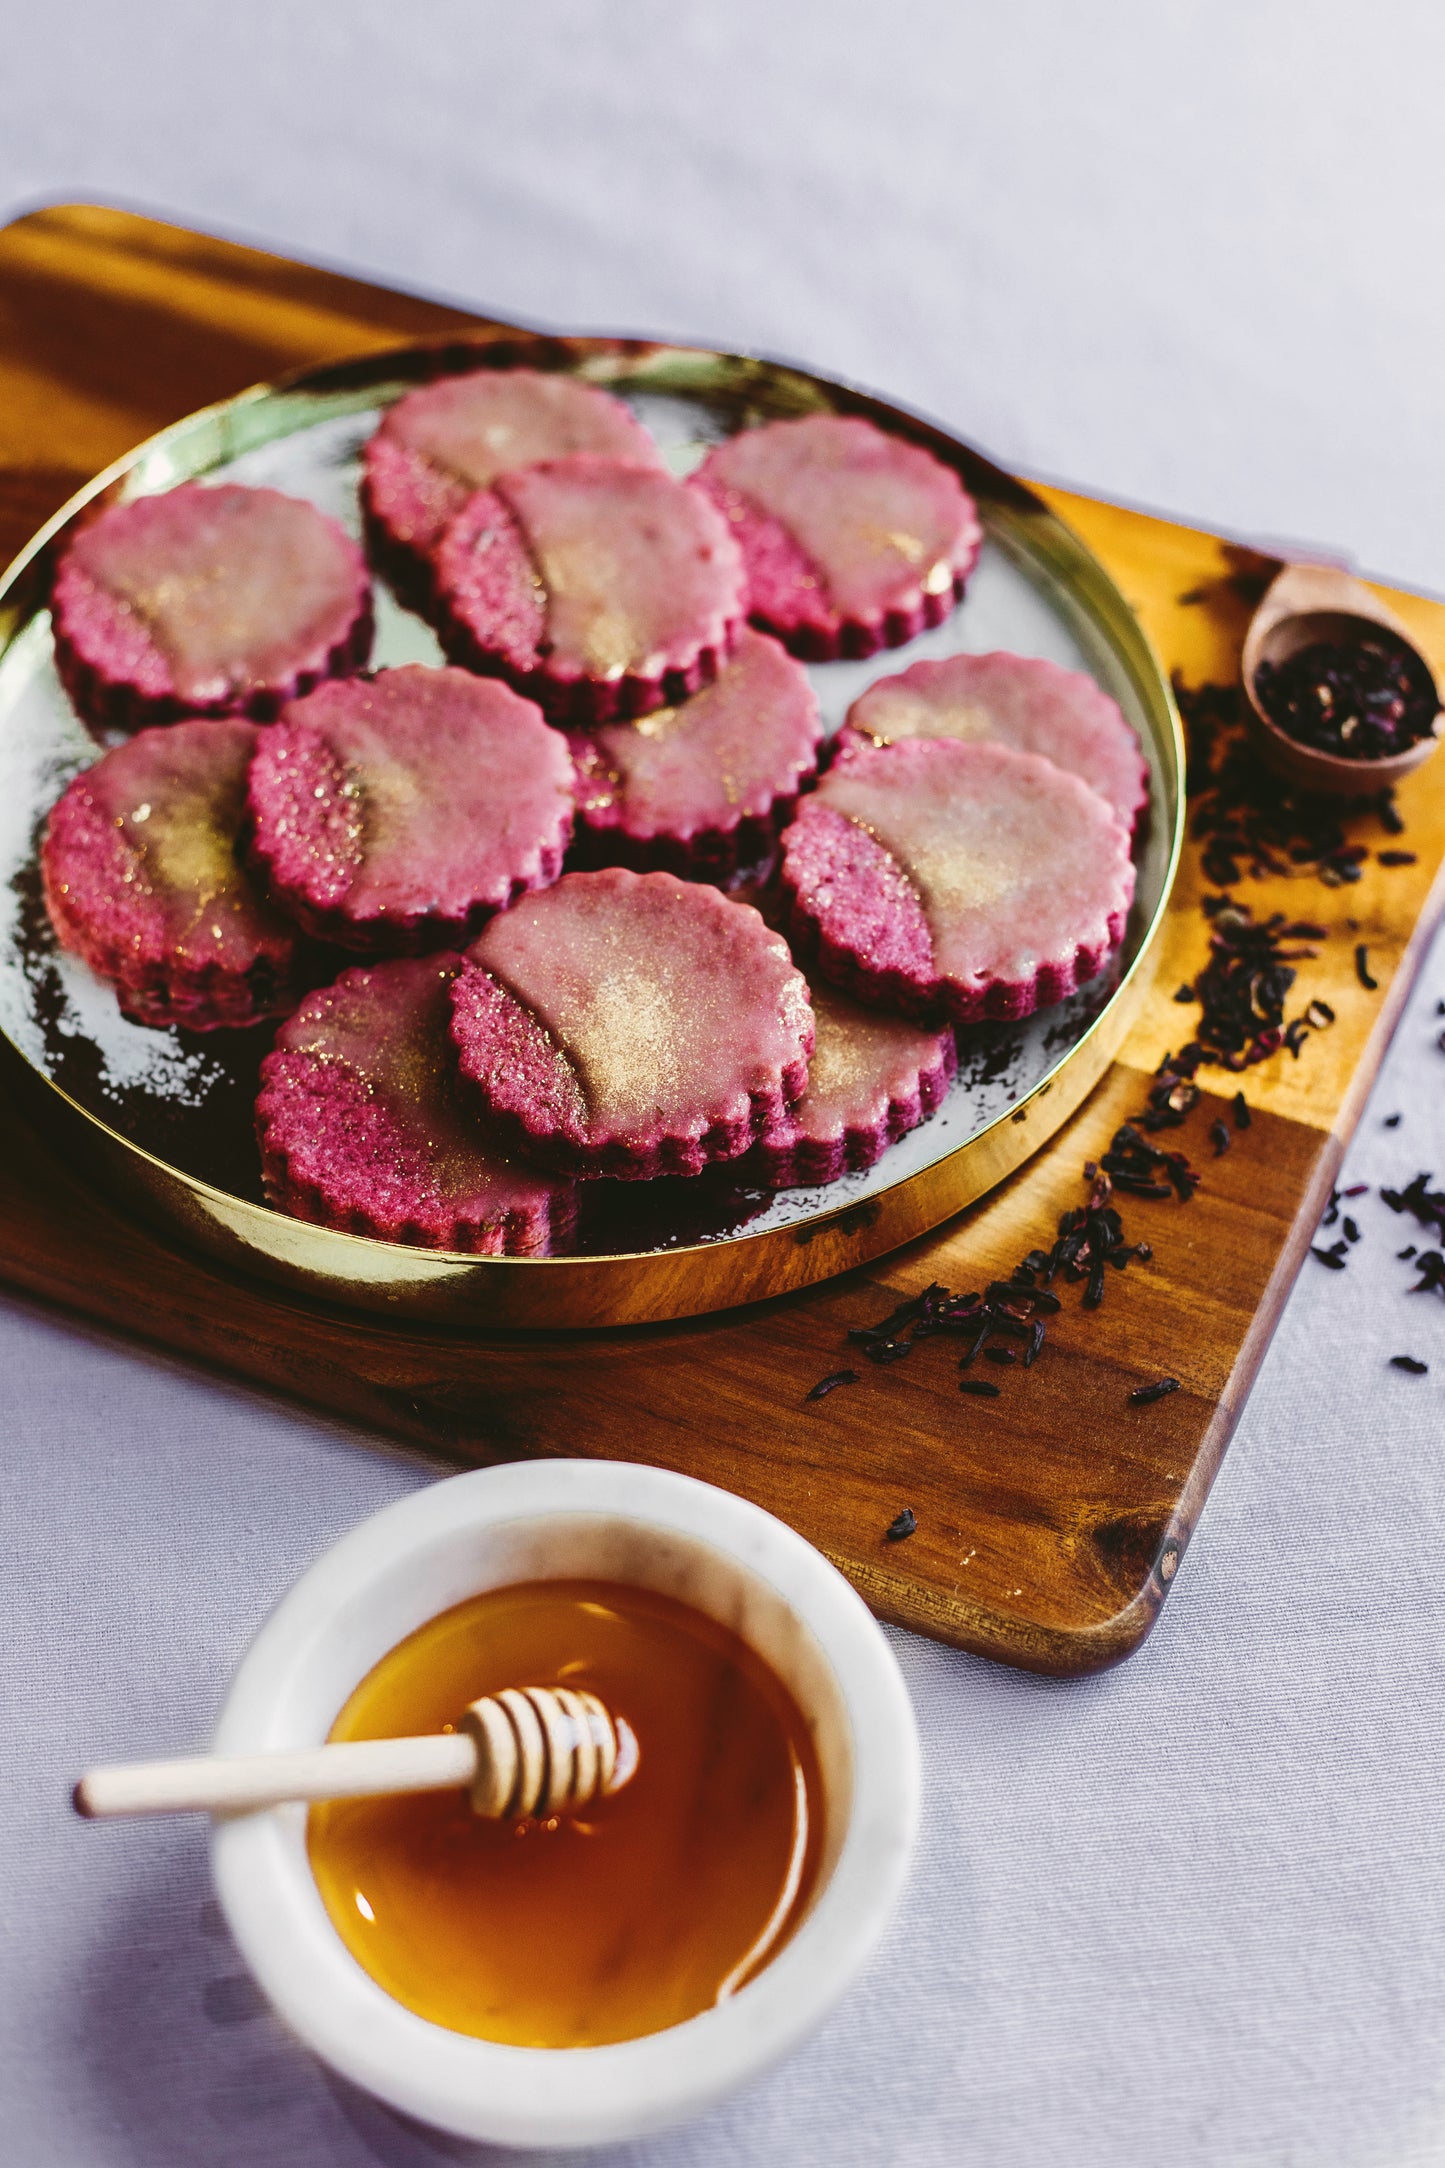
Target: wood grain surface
(1051, 1521)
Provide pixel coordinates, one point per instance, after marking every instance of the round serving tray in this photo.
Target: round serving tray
(163, 1118)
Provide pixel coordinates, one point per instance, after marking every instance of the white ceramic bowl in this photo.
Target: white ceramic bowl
(551, 1520)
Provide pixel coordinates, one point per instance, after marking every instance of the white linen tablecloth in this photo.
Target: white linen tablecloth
(1185, 255)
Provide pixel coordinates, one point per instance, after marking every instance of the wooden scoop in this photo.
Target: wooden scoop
(1305, 603)
(534, 1750)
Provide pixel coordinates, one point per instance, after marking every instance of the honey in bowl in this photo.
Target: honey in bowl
(648, 1905)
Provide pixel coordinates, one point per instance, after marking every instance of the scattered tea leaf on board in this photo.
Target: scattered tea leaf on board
(829, 1384)
(1159, 1390)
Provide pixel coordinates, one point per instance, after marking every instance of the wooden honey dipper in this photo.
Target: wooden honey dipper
(533, 1750)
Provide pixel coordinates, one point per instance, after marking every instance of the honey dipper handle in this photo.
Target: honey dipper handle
(220, 1784)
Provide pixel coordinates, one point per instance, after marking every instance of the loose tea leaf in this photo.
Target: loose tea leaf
(1361, 699)
(1143, 1394)
(1418, 1199)
(829, 1384)
(1252, 823)
(1243, 988)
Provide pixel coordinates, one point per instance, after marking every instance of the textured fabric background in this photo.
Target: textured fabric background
(1182, 254)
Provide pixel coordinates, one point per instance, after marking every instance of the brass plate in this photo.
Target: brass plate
(164, 1120)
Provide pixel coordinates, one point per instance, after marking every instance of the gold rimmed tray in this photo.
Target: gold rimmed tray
(163, 1117)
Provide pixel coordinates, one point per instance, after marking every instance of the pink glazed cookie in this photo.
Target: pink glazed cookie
(853, 540)
(1017, 700)
(702, 788)
(962, 880)
(632, 1025)
(143, 881)
(400, 811)
(872, 1078)
(201, 601)
(597, 587)
(445, 440)
(361, 1124)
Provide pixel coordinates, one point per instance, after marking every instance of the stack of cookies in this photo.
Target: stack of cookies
(499, 905)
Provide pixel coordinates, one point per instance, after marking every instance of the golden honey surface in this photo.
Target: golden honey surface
(648, 1906)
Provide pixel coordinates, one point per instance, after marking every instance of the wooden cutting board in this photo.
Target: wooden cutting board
(1051, 1520)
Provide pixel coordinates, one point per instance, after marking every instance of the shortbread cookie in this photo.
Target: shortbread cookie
(871, 1079)
(957, 880)
(1018, 700)
(632, 1025)
(207, 601)
(597, 587)
(445, 440)
(398, 812)
(361, 1124)
(853, 540)
(705, 787)
(142, 879)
